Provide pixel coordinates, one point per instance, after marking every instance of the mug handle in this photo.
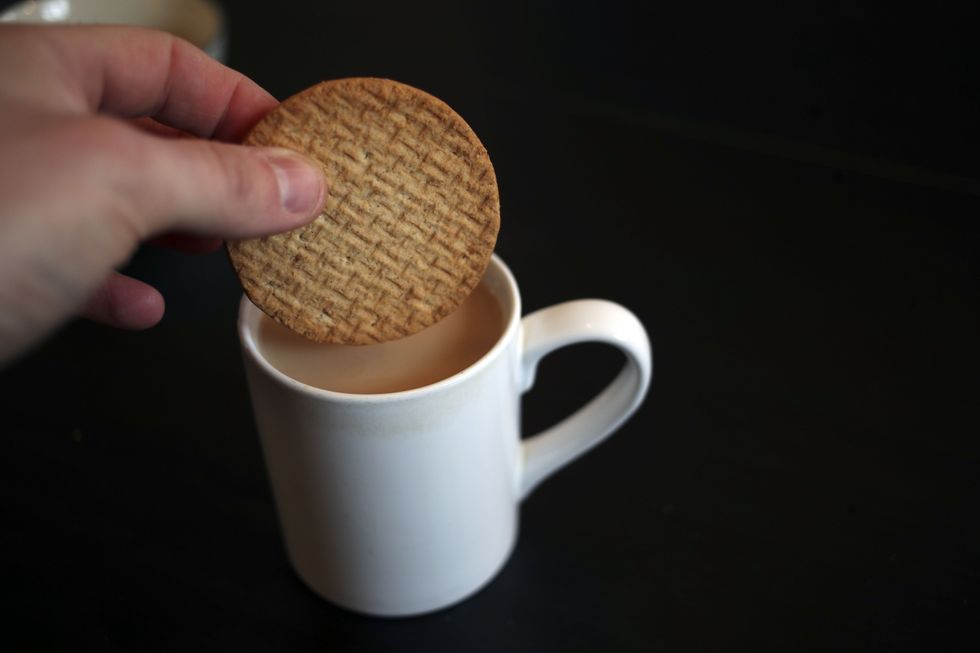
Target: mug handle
(584, 320)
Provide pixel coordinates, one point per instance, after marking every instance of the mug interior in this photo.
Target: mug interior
(197, 21)
(497, 280)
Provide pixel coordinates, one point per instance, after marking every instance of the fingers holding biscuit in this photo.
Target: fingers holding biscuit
(131, 71)
(225, 191)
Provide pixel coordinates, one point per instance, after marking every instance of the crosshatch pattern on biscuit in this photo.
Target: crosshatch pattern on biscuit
(409, 225)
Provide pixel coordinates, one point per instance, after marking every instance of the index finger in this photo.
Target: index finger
(131, 72)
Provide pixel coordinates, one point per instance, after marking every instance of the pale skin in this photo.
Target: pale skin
(113, 136)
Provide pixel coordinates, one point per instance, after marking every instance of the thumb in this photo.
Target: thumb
(228, 191)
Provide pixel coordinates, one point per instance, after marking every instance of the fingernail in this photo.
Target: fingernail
(301, 184)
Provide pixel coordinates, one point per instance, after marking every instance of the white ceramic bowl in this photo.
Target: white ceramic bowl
(199, 21)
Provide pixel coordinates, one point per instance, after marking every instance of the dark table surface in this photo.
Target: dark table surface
(789, 201)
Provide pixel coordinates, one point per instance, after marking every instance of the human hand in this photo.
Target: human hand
(81, 187)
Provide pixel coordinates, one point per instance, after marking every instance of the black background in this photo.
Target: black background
(787, 197)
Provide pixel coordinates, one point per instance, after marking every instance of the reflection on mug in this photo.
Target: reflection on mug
(199, 21)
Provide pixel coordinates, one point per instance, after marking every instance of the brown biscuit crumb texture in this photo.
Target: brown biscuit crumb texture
(409, 225)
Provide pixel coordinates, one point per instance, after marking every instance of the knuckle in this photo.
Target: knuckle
(239, 175)
(248, 180)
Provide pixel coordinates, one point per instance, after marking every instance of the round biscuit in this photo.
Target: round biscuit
(409, 224)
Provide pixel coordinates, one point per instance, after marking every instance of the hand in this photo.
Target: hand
(81, 186)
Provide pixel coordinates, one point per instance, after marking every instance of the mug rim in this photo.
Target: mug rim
(248, 339)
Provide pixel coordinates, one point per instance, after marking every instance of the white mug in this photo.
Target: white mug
(403, 503)
(199, 21)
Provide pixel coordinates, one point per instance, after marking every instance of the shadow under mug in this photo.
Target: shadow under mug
(402, 503)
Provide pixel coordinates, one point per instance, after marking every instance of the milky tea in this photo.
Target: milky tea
(438, 352)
